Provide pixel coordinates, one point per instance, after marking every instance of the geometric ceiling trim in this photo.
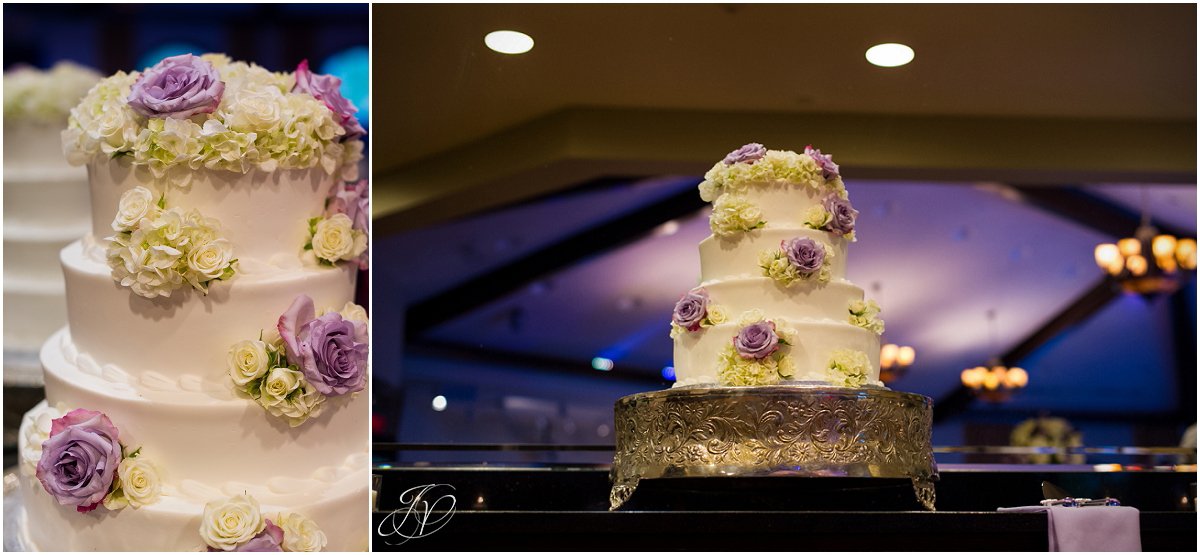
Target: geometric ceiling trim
(579, 144)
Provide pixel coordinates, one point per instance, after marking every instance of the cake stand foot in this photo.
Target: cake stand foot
(926, 494)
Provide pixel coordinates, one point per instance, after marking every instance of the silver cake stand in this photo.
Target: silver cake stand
(783, 430)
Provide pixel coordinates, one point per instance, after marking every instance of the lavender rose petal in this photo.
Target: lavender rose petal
(177, 87)
(749, 153)
(328, 89)
(691, 309)
(79, 461)
(842, 214)
(805, 254)
(757, 340)
(825, 161)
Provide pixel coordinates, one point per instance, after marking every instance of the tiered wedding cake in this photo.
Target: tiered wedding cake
(209, 390)
(773, 304)
(776, 353)
(45, 208)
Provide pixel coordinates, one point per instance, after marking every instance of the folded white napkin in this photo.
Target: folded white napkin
(1089, 528)
(1095, 529)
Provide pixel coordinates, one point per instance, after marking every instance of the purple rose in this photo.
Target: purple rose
(749, 154)
(842, 215)
(824, 161)
(177, 87)
(79, 460)
(804, 253)
(691, 309)
(757, 341)
(270, 539)
(328, 89)
(331, 351)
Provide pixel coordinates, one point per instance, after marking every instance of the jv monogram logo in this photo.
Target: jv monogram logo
(423, 511)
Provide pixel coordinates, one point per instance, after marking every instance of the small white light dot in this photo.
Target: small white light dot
(890, 54)
(509, 42)
(439, 403)
(602, 364)
(602, 430)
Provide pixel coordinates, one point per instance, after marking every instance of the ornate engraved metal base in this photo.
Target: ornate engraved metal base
(784, 430)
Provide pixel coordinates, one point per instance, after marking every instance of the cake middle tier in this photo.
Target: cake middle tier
(186, 337)
(829, 302)
(212, 439)
(738, 255)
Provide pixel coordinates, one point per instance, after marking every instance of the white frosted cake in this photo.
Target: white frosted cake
(209, 390)
(773, 305)
(45, 208)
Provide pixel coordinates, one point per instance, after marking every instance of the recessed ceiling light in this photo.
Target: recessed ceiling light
(439, 403)
(509, 42)
(890, 54)
(602, 364)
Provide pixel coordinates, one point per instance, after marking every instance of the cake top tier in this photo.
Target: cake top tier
(754, 188)
(45, 96)
(190, 112)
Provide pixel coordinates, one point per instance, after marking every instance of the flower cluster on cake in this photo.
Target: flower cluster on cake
(226, 209)
(773, 305)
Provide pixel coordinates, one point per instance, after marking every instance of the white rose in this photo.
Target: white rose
(247, 361)
(229, 522)
(354, 313)
(280, 383)
(34, 431)
(334, 239)
(300, 533)
(255, 110)
(140, 481)
(134, 205)
(210, 259)
(298, 409)
(716, 315)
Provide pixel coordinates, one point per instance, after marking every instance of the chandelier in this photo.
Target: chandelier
(1149, 262)
(994, 382)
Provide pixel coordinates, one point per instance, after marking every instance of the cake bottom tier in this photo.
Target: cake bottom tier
(698, 355)
(173, 523)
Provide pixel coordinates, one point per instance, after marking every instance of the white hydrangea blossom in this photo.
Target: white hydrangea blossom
(164, 249)
(259, 124)
(865, 314)
(732, 214)
(848, 368)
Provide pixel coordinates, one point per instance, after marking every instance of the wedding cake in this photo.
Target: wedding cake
(209, 389)
(776, 352)
(774, 305)
(45, 208)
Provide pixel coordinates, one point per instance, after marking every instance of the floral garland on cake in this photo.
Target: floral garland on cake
(865, 314)
(759, 354)
(157, 250)
(753, 164)
(79, 460)
(694, 312)
(798, 259)
(848, 368)
(46, 95)
(238, 524)
(834, 215)
(188, 112)
(305, 359)
(343, 232)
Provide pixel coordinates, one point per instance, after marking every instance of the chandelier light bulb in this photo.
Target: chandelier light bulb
(1185, 252)
(906, 356)
(888, 355)
(1016, 378)
(1129, 247)
(1163, 246)
(1137, 265)
(1108, 256)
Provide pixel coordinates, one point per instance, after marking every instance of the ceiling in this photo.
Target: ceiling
(483, 162)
